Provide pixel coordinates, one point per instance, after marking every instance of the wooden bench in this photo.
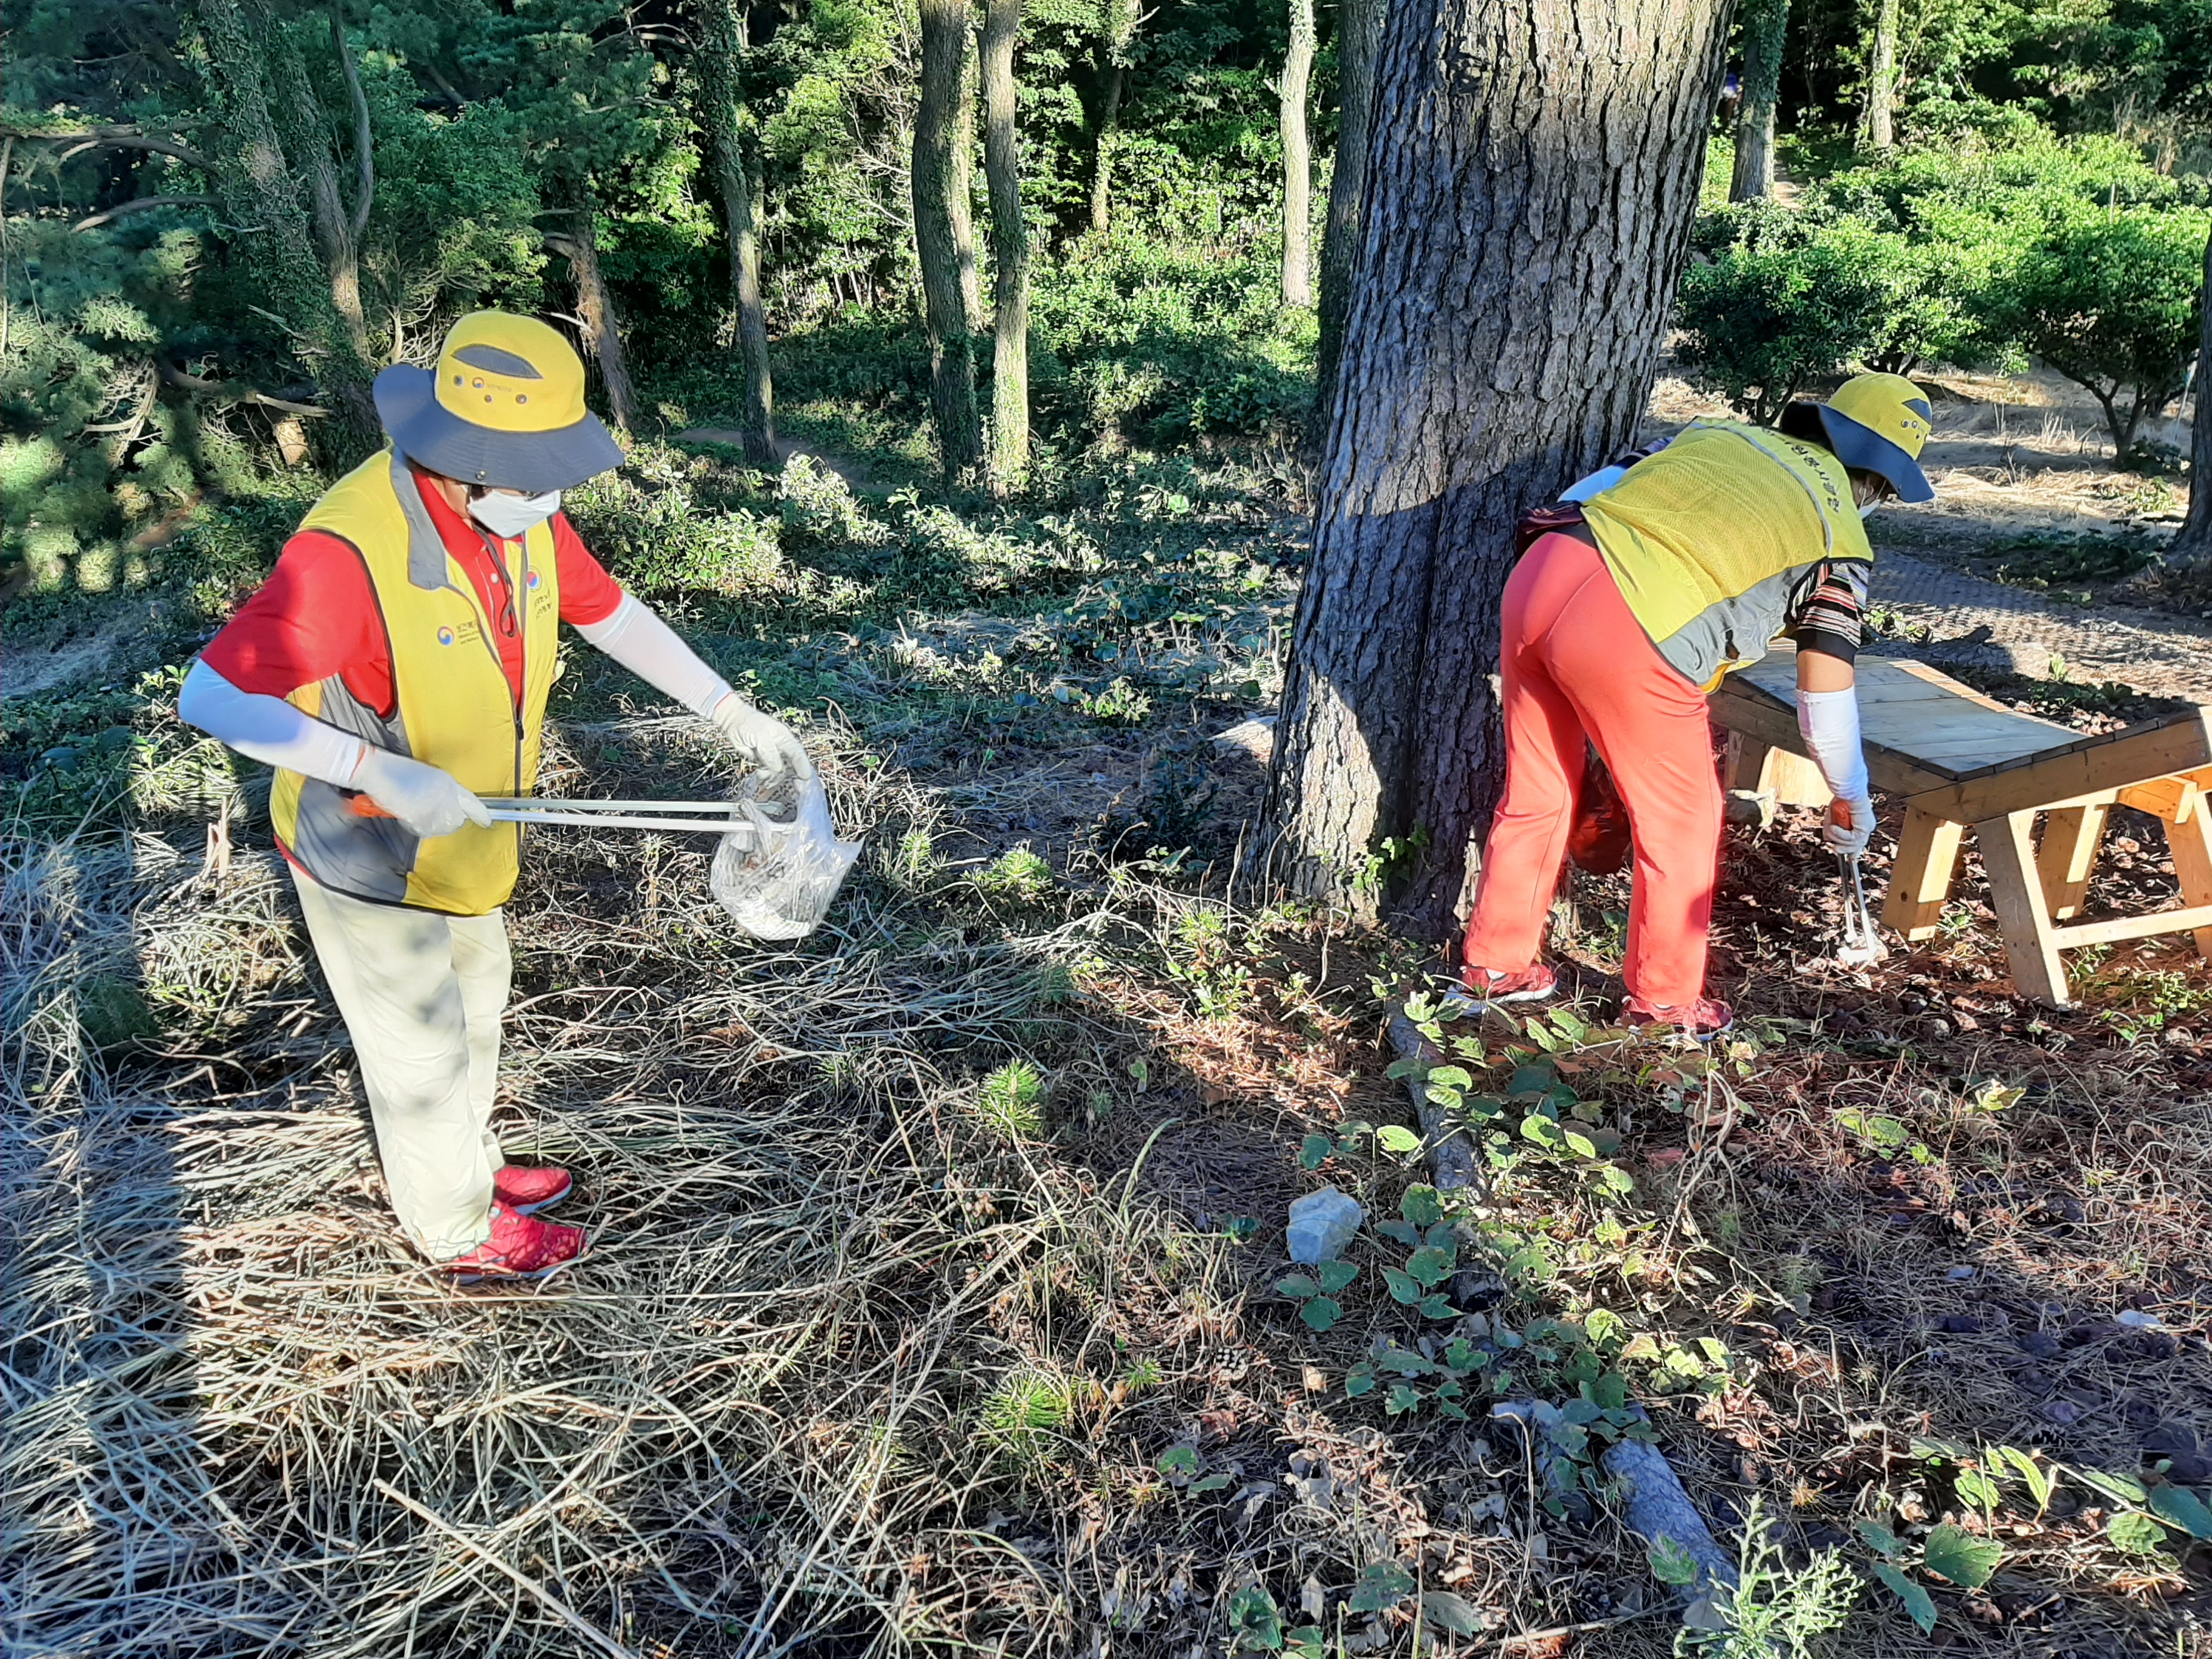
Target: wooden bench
(1959, 761)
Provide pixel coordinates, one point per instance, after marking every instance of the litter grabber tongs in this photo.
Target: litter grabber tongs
(1862, 946)
(778, 866)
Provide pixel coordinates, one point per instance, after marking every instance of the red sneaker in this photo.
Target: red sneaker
(1489, 987)
(521, 1247)
(527, 1188)
(1702, 1020)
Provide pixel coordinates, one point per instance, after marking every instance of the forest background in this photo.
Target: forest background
(977, 366)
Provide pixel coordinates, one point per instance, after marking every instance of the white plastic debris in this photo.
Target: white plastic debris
(1322, 1224)
(777, 877)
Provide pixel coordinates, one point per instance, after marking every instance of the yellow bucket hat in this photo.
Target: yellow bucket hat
(1880, 423)
(504, 407)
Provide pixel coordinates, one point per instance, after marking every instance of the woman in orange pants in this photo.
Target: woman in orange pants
(1688, 563)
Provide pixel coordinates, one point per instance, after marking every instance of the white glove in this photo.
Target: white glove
(1850, 840)
(761, 739)
(427, 799)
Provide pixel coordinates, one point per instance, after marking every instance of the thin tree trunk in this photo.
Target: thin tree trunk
(1297, 158)
(1102, 165)
(1010, 250)
(1358, 23)
(298, 114)
(936, 235)
(595, 305)
(260, 187)
(2193, 546)
(722, 45)
(1881, 76)
(963, 191)
(1528, 206)
(1765, 24)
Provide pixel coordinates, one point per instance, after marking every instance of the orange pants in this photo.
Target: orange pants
(1575, 661)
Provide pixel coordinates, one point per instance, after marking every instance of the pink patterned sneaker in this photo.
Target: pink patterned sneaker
(1703, 1020)
(527, 1189)
(1480, 988)
(521, 1247)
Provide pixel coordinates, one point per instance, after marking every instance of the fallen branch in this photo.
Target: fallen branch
(199, 388)
(141, 205)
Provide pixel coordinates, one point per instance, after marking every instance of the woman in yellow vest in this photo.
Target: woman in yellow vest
(1688, 563)
(400, 654)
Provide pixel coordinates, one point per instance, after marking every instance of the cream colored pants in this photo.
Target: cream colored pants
(422, 994)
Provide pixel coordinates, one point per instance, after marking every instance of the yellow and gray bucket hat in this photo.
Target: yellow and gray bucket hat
(1879, 423)
(504, 407)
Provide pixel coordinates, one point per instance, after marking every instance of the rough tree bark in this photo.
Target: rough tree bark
(963, 192)
(1102, 164)
(1358, 23)
(261, 187)
(1010, 250)
(722, 45)
(1765, 24)
(936, 235)
(1528, 203)
(306, 135)
(2193, 546)
(595, 308)
(1297, 158)
(1881, 76)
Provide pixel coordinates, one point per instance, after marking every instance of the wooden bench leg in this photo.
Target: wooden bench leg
(2191, 842)
(1746, 759)
(2008, 855)
(1920, 879)
(2070, 837)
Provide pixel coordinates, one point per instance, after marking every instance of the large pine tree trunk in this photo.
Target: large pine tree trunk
(1881, 76)
(2193, 546)
(964, 193)
(1297, 158)
(1529, 198)
(306, 135)
(1102, 165)
(1765, 23)
(722, 44)
(595, 305)
(1010, 250)
(1358, 23)
(936, 235)
(261, 188)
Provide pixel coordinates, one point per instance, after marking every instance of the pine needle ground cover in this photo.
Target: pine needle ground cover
(939, 1303)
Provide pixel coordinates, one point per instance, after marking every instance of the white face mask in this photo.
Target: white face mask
(509, 516)
(1866, 509)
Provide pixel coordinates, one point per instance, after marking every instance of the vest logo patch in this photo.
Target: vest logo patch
(445, 636)
(531, 581)
(466, 630)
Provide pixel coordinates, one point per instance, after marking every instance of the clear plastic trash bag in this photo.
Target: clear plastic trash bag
(777, 875)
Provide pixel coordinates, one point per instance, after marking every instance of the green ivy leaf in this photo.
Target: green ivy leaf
(1436, 1305)
(1178, 1460)
(1451, 1077)
(1422, 1206)
(1878, 1538)
(1396, 1137)
(1404, 1287)
(1917, 1599)
(1429, 1267)
(2183, 1508)
(1255, 1620)
(1453, 1613)
(1210, 1483)
(1322, 1313)
(2135, 1532)
(1401, 1233)
(1461, 1355)
(1298, 1285)
(1541, 1129)
(1360, 1380)
(1977, 1489)
(1381, 1585)
(1579, 1144)
(1405, 1362)
(1314, 1151)
(2038, 1481)
(1532, 1080)
(1336, 1275)
(1957, 1555)
(1403, 1397)
(1670, 1563)
(2120, 1488)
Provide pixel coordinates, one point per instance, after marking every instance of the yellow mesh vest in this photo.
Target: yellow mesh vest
(1703, 537)
(453, 706)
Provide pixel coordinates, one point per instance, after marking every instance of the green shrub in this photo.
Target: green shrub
(1761, 322)
(649, 524)
(2112, 303)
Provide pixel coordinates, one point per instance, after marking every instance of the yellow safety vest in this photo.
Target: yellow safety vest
(452, 706)
(1710, 538)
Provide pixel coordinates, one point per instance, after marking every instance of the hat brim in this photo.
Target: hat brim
(1863, 447)
(424, 430)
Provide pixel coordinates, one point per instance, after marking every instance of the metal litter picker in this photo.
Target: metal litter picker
(1862, 946)
(778, 866)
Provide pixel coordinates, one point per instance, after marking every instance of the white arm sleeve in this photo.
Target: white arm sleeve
(1597, 484)
(1829, 721)
(267, 729)
(648, 647)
